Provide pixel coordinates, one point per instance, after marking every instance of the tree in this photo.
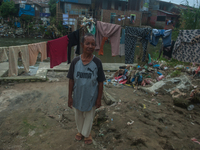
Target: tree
(190, 18)
(52, 7)
(8, 9)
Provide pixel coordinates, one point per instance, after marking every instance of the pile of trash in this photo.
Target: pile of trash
(6, 31)
(158, 78)
(138, 75)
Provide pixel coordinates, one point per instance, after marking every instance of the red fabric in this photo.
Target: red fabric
(198, 69)
(102, 44)
(57, 51)
(123, 81)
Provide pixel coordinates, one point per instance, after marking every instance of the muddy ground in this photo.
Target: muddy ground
(35, 116)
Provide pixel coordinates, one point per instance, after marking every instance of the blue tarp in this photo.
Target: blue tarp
(18, 24)
(27, 11)
(45, 14)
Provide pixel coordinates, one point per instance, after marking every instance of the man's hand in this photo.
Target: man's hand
(98, 104)
(70, 102)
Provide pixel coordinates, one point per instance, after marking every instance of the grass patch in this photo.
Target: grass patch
(154, 51)
(26, 127)
(176, 73)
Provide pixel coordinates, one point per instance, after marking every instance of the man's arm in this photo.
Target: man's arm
(100, 92)
(70, 100)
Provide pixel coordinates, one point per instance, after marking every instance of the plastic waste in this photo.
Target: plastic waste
(156, 66)
(130, 123)
(145, 67)
(125, 71)
(190, 107)
(160, 77)
(133, 79)
(179, 67)
(111, 120)
(149, 58)
(159, 73)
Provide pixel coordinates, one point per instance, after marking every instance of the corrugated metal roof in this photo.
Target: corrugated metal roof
(166, 12)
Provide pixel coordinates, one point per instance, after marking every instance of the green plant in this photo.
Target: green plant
(41, 29)
(52, 7)
(176, 73)
(60, 27)
(26, 18)
(47, 33)
(190, 18)
(8, 9)
(52, 20)
(175, 34)
(40, 22)
(30, 27)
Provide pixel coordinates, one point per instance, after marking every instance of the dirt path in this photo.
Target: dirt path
(36, 116)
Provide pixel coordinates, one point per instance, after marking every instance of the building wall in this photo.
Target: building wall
(160, 24)
(65, 7)
(107, 17)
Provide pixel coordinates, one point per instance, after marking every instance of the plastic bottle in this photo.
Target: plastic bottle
(190, 107)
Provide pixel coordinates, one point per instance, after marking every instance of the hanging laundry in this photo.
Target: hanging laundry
(165, 34)
(122, 44)
(102, 44)
(34, 50)
(93, 29)
(111, 31)
(82, 32)
(187, 46)
(57, 51)
(131, 36)
(3, 54)
(74, 39)
(14, 52)
(167, 51)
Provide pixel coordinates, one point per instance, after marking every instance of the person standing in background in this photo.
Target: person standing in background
(86, 78)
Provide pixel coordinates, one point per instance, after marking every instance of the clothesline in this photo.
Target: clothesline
(59, 50)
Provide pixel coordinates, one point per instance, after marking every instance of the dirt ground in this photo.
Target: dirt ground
(35, 116)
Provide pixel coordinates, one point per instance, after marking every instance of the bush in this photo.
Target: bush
(52, 20)
(42, 29)
(8, 9)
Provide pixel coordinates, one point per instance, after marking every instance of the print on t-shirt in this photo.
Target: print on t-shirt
(85, 75)
(91, 70)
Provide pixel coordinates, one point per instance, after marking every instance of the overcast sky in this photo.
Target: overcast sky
(191, 2)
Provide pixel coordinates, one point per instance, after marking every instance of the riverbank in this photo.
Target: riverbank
(36, 116)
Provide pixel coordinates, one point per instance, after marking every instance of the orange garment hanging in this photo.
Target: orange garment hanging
(102, 44)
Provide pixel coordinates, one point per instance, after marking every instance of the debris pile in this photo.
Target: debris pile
(157, 78)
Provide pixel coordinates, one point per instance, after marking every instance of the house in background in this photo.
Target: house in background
(71, 10)
(32, 7)
(121, 12)
(160, 12)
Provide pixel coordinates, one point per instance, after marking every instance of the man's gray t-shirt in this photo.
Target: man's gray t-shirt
(86, 78)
